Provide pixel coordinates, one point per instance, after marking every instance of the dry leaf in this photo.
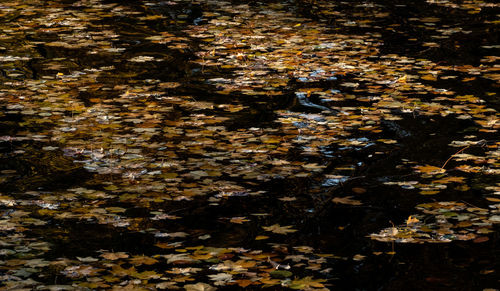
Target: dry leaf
(276, 228)
(114, 256)
(346, 200)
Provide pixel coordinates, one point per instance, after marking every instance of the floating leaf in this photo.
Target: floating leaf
(142, 260)
(221, 278)
(199, 287)
(281, 274)
(411, 220)
(114, 256)
(238, 220)
(430, 169)
(307, 283)
(346, 200)
(276, 228)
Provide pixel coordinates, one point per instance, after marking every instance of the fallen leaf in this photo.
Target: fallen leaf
(346, 200)
(239, 220)
(358, 257)
(411, 220)
(199, 287)
(261, 237)
(276, 228)
(306, 283)
(358, 190)
(429, 169)
(114, 256)
(481, 239)
(244, 283)
(142, 260)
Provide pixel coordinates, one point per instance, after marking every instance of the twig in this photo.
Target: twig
(463, 149)
(470, 204)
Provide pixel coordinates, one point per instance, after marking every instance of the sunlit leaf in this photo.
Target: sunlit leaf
(115, 256)
(199, 287)
(306, 283)
(276, 228)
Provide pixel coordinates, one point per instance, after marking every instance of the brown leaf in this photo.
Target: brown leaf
(358, 190)
(199, 287)
(276, 228)
(115, 256)
(142, 260)
(481, 239)
(346, 200)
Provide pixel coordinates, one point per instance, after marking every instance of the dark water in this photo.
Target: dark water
(278, 144)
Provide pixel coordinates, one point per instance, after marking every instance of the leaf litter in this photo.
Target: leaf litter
(84, 85)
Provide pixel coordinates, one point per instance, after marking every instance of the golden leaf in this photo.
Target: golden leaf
(115, 256)
(276, 228)
(411, 220)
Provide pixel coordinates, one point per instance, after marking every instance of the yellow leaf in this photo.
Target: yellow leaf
(493, 199)
(238, 220)
(428, 192)
(244, 283)
(449, 180)
(261, 237)
(269, 281)
(307, 283)
(428, 169)
(201, 256)
(146, 275)
(142, 260)
(358, 257)
(429, 77)
(411, 220)
(276, 228)
(169, 175)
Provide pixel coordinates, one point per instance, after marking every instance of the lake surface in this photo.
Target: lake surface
(202, 145)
